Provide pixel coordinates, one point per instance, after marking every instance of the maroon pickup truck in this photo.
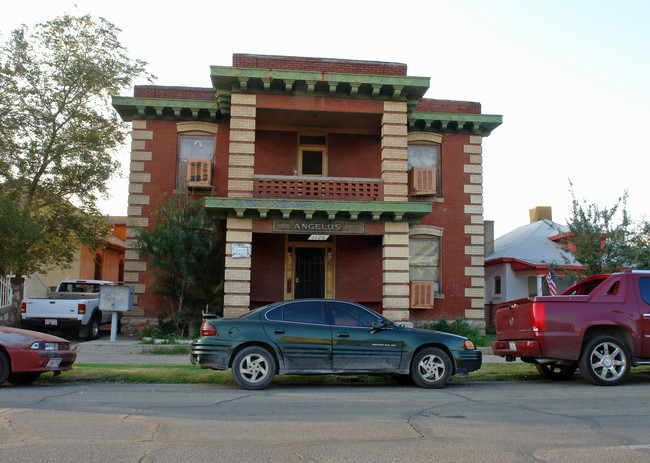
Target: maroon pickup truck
(600, 325)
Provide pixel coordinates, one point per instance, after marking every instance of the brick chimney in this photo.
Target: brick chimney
(540, 213)
(488, 230)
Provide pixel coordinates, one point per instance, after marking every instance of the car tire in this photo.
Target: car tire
(555, 371)
(431, 368)
(5, 367)
(605, 361)
(22, 379)
(253, 367)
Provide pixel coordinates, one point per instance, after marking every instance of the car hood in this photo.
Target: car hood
(16, 337)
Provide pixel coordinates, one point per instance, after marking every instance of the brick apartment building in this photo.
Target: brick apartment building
(334, 178)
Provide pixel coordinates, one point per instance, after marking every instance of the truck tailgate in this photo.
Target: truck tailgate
(51, 308)
(513, 320)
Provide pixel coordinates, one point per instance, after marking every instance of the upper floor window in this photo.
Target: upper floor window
(497, 285)
(312, 155)
(196, 147)
(195, 156)
(423, 155)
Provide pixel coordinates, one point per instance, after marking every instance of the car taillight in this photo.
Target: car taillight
(81, 309)
(23, 307)
(207, 329)
(538, 316)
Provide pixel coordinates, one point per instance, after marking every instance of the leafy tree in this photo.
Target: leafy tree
(606, 239)
(185, 249)
(59, 138)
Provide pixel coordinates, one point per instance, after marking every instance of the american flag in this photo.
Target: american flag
(550, 281)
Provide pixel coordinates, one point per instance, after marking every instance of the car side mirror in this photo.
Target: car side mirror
(380, 324)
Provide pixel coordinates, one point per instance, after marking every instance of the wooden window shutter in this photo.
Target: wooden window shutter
(199, 173)
(421, 294)
(422, 181)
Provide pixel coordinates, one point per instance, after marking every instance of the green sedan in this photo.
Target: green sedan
(322, 336)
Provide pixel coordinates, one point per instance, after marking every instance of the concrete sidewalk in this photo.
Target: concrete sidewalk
(129, 350)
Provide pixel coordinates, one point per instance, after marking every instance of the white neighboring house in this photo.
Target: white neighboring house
(519, 261)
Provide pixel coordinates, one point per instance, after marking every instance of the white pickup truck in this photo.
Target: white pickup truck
(75, 304)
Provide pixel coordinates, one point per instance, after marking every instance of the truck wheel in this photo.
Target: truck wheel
(91, 331)
(253, 367)
(605, 361)
(5, 367)
(431, 368)
(556, 372)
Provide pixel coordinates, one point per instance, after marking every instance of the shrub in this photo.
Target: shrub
(460, 326)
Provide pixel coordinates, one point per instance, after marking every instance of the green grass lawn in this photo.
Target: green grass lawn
(190, 374)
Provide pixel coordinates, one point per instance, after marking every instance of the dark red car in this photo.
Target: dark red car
(25, 354)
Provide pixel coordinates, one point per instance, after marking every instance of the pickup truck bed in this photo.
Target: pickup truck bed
(75, 305)
(600, 325)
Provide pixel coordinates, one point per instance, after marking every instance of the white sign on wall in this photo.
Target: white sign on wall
(240, 250)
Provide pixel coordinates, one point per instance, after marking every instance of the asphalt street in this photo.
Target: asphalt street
(531, 421)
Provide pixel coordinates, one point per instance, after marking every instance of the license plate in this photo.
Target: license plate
(512, 346)
(54, 363)
(50, 322)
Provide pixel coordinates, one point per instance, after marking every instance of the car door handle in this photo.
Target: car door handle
(279, 331)
(343, 334)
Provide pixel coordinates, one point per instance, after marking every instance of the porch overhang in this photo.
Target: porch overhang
(130, 108)
(475, 124)
(283, 209)
(227, 80)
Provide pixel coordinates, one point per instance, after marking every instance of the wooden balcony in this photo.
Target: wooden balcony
(335, 188)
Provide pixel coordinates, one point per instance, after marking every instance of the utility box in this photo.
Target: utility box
(116, 298)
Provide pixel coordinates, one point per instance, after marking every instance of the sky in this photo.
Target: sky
(570, 78)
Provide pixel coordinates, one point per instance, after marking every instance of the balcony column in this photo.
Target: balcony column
(237, 276)
(394, 155)
(394, 165)
(395, 271)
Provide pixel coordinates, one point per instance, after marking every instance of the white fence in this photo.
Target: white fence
(6, 292)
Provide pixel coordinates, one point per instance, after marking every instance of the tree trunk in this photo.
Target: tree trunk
(17, 286)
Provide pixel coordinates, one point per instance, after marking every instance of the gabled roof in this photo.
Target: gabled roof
(532, 244)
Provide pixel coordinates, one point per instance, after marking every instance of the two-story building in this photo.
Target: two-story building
(334, 178)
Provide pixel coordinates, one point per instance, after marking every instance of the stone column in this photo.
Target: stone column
(138, 178)
(239, 231)
(476, 231)
(395, 271)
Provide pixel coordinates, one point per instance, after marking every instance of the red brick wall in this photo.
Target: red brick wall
(354, 156)
(190, 93)
(358, 268)
(318, 64)
(448, 106)
(324, 104)
(450, 215)
(267, 269)
(275, 152)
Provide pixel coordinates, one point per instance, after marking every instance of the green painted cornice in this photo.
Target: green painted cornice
(227, 80)
(130, 108)
(362, 211)
(476, 124)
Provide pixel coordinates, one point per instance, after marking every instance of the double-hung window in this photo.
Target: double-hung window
(312, 155)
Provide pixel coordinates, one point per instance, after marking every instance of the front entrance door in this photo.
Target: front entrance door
(310, 273)
(309, 269)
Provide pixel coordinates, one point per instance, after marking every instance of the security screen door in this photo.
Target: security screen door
(310, 273)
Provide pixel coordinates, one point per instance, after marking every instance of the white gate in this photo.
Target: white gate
(6, 293)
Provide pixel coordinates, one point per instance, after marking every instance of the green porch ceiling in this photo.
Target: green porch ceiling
(281, 209)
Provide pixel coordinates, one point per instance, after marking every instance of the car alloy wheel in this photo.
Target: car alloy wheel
(431, 368)
(605, 361)
(253, 367)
